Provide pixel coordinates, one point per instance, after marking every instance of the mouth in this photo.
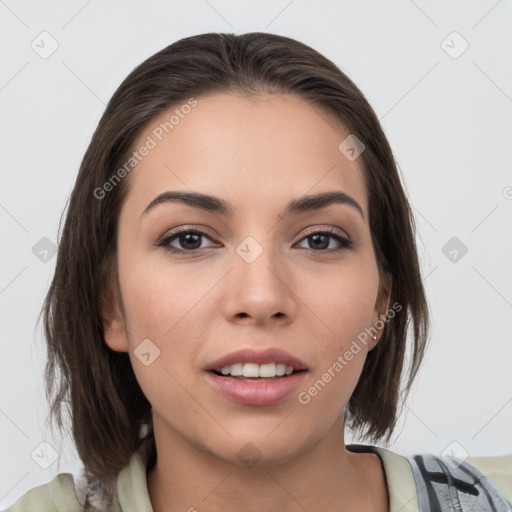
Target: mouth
(257, 391)
(252, 363)
(257, 377)
(251, 372)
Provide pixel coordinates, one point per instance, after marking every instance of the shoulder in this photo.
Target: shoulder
(477, 483)
(55, 496)
(65, 493)
(498, 470)
(415, 480)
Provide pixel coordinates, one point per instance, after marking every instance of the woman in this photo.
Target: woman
(235, 282)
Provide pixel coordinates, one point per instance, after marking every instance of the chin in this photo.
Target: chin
(258, 449)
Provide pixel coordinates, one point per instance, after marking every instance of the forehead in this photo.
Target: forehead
(266, 146)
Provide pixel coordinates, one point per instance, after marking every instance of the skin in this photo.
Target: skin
(258, 153)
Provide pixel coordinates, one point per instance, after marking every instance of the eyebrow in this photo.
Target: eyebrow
(220, 206)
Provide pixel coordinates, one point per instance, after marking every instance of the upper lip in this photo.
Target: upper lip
(251, 355)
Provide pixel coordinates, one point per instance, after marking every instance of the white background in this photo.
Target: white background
(448, 122)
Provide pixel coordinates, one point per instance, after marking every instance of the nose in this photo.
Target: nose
(260, 292)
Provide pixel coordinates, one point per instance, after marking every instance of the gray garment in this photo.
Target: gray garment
(453, 485)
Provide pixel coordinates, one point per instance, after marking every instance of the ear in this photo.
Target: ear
(381, 307)
(114, 328)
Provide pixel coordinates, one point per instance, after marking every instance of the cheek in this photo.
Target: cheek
(158, 296)
(168, 306)
(346, 309)
(162, 306)
(343, 302)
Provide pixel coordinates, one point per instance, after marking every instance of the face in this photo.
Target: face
(305, 282)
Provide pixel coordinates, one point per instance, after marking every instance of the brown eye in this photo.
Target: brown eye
(191, 241)
(319, 241)
(187, 240)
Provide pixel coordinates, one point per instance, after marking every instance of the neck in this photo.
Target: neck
(322, 477)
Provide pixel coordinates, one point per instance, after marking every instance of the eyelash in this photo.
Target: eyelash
(345, 243)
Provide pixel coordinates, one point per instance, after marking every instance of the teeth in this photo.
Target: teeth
(257, 370)
(267, 370)
(237, 369)
(251, 370)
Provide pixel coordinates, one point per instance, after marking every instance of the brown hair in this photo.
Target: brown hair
(107, 407)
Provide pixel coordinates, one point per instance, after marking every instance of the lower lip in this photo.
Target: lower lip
(257, 392)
